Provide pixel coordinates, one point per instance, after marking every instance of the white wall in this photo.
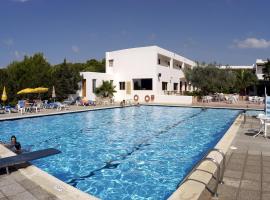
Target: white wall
(89, 76)
(187, 100)
(138, 63)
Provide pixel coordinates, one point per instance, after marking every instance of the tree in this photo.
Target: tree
(266, 71)
(65, 78)
(244, 79)
(210, 79)
(105, 90)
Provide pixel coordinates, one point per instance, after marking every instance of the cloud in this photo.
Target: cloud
(252, 43)
(21, 1)
(75, 49)
(8, 42)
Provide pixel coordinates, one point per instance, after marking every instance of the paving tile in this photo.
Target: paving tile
(266, 158)
(27, 184)
(236, 162)
(266, 163)
(232, 173)
(266, 177)
(249, 195)
(253, 162)
(40, 194)
(266, 186)
(265, 196)
(252, 169)
(250, 185)
(23, 196)
(266, 170)
(235, 167)
(6, 180)
(12, 189)
(238, 156)
(226, 192)
(1, 195)
(252, 176)
(253, 158)
(231, 182)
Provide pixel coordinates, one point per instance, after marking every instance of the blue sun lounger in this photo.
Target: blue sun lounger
(25, 157)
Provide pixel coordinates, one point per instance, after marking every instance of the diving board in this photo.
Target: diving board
(25, 157)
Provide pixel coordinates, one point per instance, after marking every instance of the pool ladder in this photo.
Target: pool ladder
(220, 171)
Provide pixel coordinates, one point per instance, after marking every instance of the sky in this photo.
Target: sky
(234, 32)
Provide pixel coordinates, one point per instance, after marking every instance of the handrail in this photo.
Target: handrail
(220, 173)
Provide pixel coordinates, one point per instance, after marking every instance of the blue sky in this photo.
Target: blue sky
(232, 32)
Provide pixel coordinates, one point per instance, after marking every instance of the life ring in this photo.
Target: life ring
(147, 98)
(136, 97)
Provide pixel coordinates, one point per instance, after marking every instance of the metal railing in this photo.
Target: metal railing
(220, 171)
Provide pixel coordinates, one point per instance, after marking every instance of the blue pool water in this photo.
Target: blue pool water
(129, 153)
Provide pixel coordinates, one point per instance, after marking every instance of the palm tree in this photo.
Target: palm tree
(244, 79)
(105, 90)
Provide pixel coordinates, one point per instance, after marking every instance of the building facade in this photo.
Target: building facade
(141, 73)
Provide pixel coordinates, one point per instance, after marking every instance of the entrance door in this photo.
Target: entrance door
(128, 86)
(84, 88)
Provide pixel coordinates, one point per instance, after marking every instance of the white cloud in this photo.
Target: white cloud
(254, 43)
(21, 1)
(8, 42)
(75, 49)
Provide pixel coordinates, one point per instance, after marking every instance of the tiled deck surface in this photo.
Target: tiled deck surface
(247, 174)
(16, 187)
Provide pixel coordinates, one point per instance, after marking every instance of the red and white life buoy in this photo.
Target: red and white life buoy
(147, 98)
(136, 97)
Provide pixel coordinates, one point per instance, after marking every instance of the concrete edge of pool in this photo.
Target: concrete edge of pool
(48, 182)
(193, 190)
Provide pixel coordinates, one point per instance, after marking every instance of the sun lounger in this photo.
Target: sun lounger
(25, 157)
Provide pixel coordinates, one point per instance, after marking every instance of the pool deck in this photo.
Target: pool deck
(247, 174)
(17, 187)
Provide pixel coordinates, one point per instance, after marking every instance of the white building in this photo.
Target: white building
(251, 67)
(142, 72)
(259, 68)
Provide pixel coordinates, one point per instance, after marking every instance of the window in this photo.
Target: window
(164, 85)
(111, 63)
(181, 84)
(175, 86)
(159, 61)
(122, 85)
(94, 85)
(168, 63)
(142, 84)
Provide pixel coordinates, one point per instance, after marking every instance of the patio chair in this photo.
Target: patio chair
(60, 106)
(25, 157)
(21, 106)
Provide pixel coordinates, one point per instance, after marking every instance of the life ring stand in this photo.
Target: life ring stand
(147, 98)
(136, 97)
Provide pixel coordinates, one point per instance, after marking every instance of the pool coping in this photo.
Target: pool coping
(199, 106)
(194, 190)
(48, 182)
(57, 113)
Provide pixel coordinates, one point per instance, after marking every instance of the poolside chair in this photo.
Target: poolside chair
(60, 106)
(21, 106)
(25, 157)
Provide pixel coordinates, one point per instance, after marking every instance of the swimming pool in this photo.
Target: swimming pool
(130, 153)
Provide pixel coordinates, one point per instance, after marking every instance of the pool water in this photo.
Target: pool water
(123, 153)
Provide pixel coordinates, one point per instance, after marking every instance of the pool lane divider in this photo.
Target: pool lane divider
(195, 190)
